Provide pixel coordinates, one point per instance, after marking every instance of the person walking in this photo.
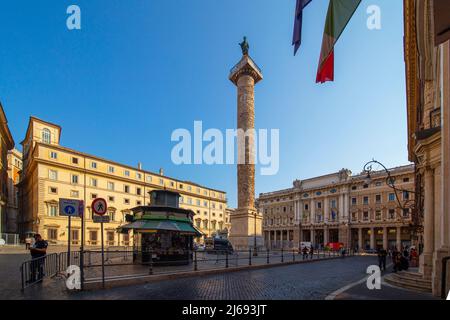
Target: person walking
(311, 251)
(305, 252)
(38, 252)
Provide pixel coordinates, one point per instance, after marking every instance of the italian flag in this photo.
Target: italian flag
(339, 14)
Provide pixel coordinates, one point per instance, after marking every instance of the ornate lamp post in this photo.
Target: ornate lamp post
(415, 226)
(390, 181)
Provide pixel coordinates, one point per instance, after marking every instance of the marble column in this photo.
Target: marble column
(398, 234)
(313, 237)
(385, 238)
(326, 210)
(346, 213)
(341, 208)
(372, 238)
(428, 247)
(326, 233)
(246, 223)
(360, 239)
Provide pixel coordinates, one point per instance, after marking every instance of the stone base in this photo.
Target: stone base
(246, 242)
(437, 271)
(245, 223)
(426, 265)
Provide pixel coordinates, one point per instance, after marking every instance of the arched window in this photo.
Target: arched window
(46, 138)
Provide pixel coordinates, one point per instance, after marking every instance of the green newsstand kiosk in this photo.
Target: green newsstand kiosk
(162, 230)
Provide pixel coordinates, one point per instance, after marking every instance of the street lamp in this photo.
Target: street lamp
(255, 248)
(415, 226)
(390, 181)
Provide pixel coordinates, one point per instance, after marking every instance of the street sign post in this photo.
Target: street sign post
(70, 208)
(100, 219)
(99, 207)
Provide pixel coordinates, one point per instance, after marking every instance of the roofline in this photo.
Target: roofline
(356, 176)
(122, 165)
(4, 120)
(33, 118)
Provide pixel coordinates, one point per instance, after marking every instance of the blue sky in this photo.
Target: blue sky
(138, 69)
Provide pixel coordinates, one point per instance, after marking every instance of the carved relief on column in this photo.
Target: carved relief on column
(246, 121)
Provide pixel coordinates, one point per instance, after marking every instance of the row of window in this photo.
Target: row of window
(278, 221)
(93, 182)
(138, 176)
(198, 203)
(391, 215)
(203, 224)
(378, 198)
(319, 218)
(53, 209)
(319, 193)
(93, 238)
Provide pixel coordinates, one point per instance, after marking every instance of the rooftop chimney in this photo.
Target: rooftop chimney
(139, 166)
(161, 171)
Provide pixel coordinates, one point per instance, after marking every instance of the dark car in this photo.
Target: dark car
(217, 245)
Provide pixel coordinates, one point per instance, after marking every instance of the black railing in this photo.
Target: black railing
(193, 260)
(35, 270)
(141, 262)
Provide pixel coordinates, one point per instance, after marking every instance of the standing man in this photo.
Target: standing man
(38, 252)
(382, 254)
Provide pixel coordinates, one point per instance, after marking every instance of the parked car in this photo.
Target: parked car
(218, 245)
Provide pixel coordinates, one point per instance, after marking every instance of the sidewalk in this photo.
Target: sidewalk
(359, 291)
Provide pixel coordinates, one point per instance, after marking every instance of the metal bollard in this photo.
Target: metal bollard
(195, 261)
(249, 257)
(293, 254)
(282, 256)
(268, 261)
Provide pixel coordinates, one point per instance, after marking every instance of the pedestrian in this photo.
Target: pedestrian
(305, 252)
(395, 259)
(382, 254)
(38, 252)
(311, 251)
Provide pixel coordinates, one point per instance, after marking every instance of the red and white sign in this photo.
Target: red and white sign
(99, 206)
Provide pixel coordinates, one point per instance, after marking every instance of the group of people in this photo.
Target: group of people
(401, 260)
(307, 252)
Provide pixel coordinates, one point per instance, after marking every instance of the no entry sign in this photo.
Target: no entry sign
(99, 206)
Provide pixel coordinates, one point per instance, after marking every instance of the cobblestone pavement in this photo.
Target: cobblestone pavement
(204, 262)
(387, 292)
(10, 274)
(308, 281)
(303, 281)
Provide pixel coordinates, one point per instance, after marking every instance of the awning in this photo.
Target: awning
(167, 225)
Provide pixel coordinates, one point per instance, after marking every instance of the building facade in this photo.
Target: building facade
(12, 208)
(51, 171)
(6, 144)
(359, 212)
(427, 63)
